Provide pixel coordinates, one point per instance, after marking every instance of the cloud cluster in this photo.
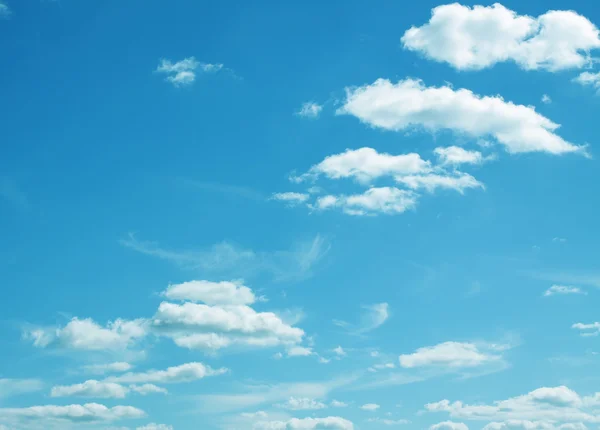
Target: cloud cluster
(332, 423)
(87, 413)
(449, 354)
(479, 37)
(183, 72)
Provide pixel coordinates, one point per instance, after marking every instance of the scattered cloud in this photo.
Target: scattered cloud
(563, 289)
(449, 354)
(385, 200)
(410, 104)
(290, 198)
(153, 426)
(389, 421)
(183, 73)
(546, 99)
(339, 351)
(51, 414)
(229, 259)
(589, 79)
(479, 37)
(554, 405)
(587, 330)
(91, 388)
(338, 404)
(370, 407)
(310, 110)
(178, 374)
(455, 155)
(302, 404)
(211, 293)
(146, 389)
(333, 423)
(85, 334)
(449, 425)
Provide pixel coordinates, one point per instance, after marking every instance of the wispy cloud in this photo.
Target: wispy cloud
(183, 73)
(310, 110)
(372, 316)
(233, 260)
(5, 11)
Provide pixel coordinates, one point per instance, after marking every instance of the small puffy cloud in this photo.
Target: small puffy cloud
(85, 334)
(115, 367)
(14, 387)
(183, 73)
(330, 423)
(211, 293)
(299, 351)
(338, 404)
(370, 407)
(89, 412)
(563, 289)
(586, 330)
(589, 79)
(302, 404)
(479, 37)
(310, 110)
(91, 388)
(448, 354)
(177, 374)
(146, 389)
(455, 155)
(374, 201)
(449, 425)
(291, 198)
(559, 406)
(339, 351)
(153, 426)
(546, 99)
(410, 104)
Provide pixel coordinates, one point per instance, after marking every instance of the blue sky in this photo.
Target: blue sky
(299, 215)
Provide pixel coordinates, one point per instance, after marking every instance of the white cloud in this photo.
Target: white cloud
(187, 372)
(100, 369)
(299, 351)
(153, 426)
(370, 407)
(389, 421)
(455, 155)
(592, 329)
(366, 164)
(302, 404)
(386, 200)
(551, 404)
(332, 423)
(291, 198)
(146, 389)
(183, 72)
(199, 326)
(430, 183)
(589, 79)
(533, 425)
(89, 412)
(546, 99)
(14, 387)
(339, 351)
(563, 289)
(372, 317)
(211, 293)
(310, 110)
(448, 354)
(479, 37)
(410, 104)
(449, 425)
(85, 334)
(338, 404)
(91, 388)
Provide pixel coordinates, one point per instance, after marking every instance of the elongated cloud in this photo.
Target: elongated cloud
(89, 412)
(479, 37)
(91, 388)
(211, 293)
(177, 374)
(448, 354)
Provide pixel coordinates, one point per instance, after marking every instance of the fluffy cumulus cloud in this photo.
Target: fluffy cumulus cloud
(310, 110)
(449, 354)
(87, 413)
(85, 334)
(479, 37)
(410, 104)
(91, 388)
(554, 406)
(449, 425)
(330, 423)
(184, 373)
(591, 329)
(455, 155)
(211, 293)
(370, 407)
(183, 72)
(376, 200)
